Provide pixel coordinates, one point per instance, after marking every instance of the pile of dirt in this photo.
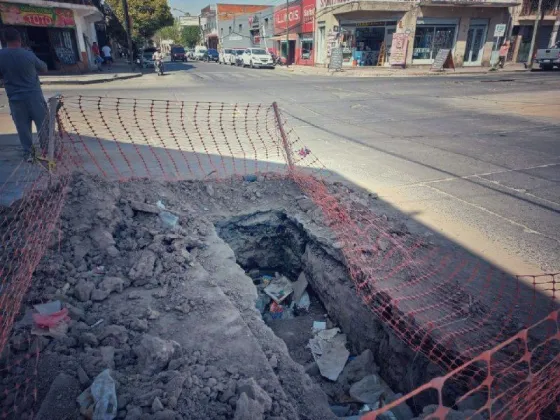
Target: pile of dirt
(156, 296)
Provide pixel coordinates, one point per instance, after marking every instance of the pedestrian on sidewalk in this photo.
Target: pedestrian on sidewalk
(19, 68)
(107, 56)
(97, 56)
(504, 49)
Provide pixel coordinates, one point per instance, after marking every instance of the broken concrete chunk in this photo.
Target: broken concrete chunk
(368, 390)
(102, 238)
(143, 268)
(157, 405)
(83, 290)
(305, 204)
(60, 399)
(144, 207)
(154, 353)
(359, 368)
(299, 286)
(255, 392)
(106, 287)
(248, 409)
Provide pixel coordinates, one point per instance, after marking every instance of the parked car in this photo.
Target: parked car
(199, 52)
(190, 53)
(225, 56)
(178, 53)
(548, 58)
(237, 57)
(145, 59)
(212, 55)
(257, 57)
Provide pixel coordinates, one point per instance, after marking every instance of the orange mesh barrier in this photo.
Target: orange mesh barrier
(464, 315)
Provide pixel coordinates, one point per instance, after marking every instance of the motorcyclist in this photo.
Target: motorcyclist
(158, 60)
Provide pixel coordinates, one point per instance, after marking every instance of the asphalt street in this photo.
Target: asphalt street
(476, 158)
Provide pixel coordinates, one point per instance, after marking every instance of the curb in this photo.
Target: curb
(397, 74)
(89, 82)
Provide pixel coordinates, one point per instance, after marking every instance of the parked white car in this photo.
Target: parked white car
(199, 52)
(225, 56)
(257, 57)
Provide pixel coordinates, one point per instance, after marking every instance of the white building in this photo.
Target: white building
(188, 20)
(59, 32)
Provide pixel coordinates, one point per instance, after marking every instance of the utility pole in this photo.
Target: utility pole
(287, 33)
(128, 29)
(554, 33)
(534, 38)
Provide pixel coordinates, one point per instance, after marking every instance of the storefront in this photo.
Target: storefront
(365, 31)
(294, 27)
(433, 34)
(367, 43)
(55, 35)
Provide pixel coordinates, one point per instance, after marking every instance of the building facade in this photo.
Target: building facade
(220, 15)
(523, 22)
(59, 32)
(294, 25)
(246, 31)
(365, 30)
(188, 20)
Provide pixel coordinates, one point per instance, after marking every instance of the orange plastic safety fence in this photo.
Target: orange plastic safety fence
(450, 307)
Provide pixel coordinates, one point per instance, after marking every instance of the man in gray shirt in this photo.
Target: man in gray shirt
(19, 68)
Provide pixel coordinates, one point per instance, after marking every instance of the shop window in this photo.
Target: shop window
(428, 40)
(306, 48)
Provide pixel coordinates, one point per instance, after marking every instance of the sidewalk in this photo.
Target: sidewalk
(120, 71)
(398, 72)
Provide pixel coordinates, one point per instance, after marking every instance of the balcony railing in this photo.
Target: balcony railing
(530, 7)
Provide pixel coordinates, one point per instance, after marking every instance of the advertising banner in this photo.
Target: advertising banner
(308, 7)
(398, 50)
(28, 15)
(283, 20)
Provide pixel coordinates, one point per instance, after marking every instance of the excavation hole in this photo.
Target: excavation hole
(273, 247)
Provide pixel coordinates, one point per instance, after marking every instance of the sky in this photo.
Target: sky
(194, 6)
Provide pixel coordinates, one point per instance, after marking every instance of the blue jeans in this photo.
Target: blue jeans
(25, 111)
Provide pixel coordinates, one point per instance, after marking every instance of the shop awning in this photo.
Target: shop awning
(292, 37)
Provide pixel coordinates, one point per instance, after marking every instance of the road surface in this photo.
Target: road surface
(476, 158)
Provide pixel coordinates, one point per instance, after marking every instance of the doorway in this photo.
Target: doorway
(475, 45)
(389, 31)
(321, 40)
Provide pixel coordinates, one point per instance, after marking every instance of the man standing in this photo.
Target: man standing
(107, 56)
(19, 68)
(504, 49)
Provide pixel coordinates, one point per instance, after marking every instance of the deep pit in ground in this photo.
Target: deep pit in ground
(271, 243)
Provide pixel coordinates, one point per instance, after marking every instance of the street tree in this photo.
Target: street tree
(146, 16)
(190, 36)
(172, 32)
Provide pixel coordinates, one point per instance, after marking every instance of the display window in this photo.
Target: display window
(429, 39)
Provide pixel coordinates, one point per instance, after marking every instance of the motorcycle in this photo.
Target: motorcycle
(159, 67)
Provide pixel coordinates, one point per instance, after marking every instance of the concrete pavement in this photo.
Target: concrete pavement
(475, 158)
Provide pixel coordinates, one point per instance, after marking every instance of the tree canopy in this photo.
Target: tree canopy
(147, 16)
(190, 36)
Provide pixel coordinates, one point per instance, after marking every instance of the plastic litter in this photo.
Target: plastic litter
(169, 219)
(319, 326)
(262, 301)
(279, 289)
(52, 319)
(305, 302)
(49, 307)
(160, 205)
(104, 397)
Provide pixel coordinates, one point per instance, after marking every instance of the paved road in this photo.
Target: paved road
(474, 157)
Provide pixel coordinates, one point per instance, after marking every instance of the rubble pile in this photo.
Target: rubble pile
(141, 311)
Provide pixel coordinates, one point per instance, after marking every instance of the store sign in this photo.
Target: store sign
(398, 50)
(28, 15)
(500, 30)
(254, 22)
(283, 20)
(321, 4)
(308, 7)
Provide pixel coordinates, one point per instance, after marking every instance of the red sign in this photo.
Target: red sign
(283, 20)
(308, 7)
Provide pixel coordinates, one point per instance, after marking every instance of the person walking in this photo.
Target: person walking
(504, 49)
(19, 69)
(107, 56)
(97, 56)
